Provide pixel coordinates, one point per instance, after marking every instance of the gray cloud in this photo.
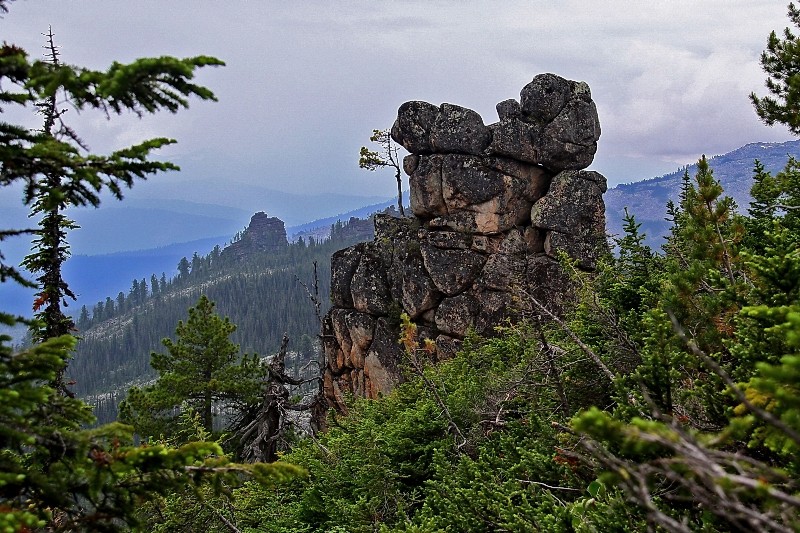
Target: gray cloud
(306, 82)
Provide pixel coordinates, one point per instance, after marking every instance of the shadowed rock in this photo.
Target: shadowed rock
(263, 234)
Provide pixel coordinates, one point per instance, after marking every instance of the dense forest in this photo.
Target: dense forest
(665, 398)
(267, 295)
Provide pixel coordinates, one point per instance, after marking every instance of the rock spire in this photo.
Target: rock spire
(493, 207)
(263, 234)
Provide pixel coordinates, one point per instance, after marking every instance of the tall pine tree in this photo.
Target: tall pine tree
(201, 370)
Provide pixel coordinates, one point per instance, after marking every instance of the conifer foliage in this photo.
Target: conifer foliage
(779, 61)
(201, 370)
(54, 473)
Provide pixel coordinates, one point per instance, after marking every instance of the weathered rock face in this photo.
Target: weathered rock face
(554, 124)
(493, 208)
(263, 234)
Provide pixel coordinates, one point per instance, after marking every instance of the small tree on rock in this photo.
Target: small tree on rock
(388, 156)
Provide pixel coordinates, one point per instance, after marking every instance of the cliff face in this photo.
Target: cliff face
(493, 207)
(263, 234)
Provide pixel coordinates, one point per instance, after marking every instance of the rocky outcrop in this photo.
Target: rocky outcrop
(494, 207)
(263, 234)
(554, 124)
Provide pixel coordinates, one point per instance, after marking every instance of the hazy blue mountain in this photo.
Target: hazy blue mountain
(164, 212)
(293, 209)
(647, 199)
(320, 228)
(122, 241)
(129, 229)
(94, 277)
(133, 225)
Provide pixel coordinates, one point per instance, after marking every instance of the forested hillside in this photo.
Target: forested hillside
(262, 294)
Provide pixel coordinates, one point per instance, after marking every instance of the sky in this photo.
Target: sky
(306, 82)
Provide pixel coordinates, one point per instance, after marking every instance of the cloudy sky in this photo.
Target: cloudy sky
(307, 81)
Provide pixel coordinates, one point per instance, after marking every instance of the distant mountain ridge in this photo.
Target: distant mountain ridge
(320, 228)
(96, 276)
(647, 199)
(135, 238)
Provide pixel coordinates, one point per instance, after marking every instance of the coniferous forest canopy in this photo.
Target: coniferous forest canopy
(666, 399)
(266, 296)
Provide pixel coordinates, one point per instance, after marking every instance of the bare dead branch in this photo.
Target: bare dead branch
(586, 349)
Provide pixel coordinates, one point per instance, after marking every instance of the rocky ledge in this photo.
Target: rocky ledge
(493, 207)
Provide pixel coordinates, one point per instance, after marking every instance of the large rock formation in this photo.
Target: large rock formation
(493, 208)
(263, 234)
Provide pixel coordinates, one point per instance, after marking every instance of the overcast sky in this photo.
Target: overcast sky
(306, 82)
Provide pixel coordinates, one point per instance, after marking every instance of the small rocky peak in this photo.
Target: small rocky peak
(494, 207)
(263, 234)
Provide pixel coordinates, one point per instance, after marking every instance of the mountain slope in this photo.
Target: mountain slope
(262, 292)
(293, 209)
(647, 199)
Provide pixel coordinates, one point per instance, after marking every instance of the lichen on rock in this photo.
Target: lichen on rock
(493, 208)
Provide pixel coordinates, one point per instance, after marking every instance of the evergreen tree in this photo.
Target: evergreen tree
(133, 294)
(121, 302)
(201, 369)
(183, 268)
(109, 307)
(50, 248)
(780, 62)
(196, 265)
(84, 321)
(723, 314)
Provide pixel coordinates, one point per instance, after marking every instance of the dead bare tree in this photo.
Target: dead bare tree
(314, 296)
(263, 428)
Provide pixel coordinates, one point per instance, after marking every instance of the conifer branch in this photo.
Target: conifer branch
(582, 345)
(765, 416)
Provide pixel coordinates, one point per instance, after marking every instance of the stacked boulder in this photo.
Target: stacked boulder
(494, 207)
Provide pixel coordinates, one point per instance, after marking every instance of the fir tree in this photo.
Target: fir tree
(183, 268)
(84, 321)
(201, 369)
(56, 475)
(780, 61)
(121, 302)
